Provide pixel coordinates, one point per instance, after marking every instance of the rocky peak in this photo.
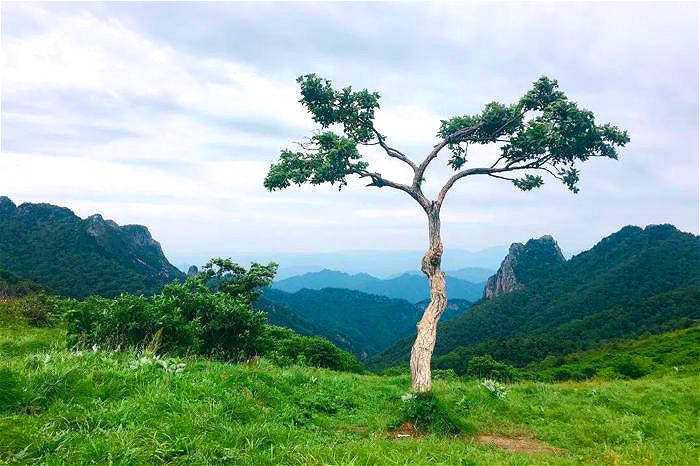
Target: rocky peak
(192, 271)
(523, 263)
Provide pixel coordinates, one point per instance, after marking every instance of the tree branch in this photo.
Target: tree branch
(501, 177)
(436, 150)
(487, 171)
(551, 173)
(391, 152)
(379, 181)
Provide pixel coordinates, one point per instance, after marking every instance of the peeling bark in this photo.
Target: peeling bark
(422, 351)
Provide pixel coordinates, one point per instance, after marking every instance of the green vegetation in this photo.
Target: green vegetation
(668, 353)
(36, 310)
(12, 286)
(77, 257)
(632, 282)
(66, 407)
(191, 318)
(355, 321)
(184, 318)
(369, 323)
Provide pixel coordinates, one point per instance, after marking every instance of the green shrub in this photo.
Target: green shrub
(428, 414)
(485, 367)
(633, 367)
(35, 310)
(184, 318)
(284, 347)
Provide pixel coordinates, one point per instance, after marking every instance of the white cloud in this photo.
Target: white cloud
(114, 108)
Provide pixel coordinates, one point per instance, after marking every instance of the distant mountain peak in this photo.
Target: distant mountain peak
(523, 261)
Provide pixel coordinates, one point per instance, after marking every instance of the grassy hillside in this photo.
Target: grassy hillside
(59, 407)
(668, 353)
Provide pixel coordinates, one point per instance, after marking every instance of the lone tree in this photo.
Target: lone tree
(542, 133)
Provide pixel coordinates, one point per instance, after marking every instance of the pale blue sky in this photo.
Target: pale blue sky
(169, 114)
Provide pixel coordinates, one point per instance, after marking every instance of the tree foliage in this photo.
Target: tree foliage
(542, 133)
(230, 278)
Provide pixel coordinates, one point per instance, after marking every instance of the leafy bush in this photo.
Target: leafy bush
(284, 347)
(35, 310)
(485, 367)
(633, 367)
(428, 414)
(190, 318)
(184, 318)
(228, 277)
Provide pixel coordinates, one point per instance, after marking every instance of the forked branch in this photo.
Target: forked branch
(391, 152)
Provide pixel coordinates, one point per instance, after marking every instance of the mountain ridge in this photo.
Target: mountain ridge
(632, 281)
(412, 287)
(77, 257)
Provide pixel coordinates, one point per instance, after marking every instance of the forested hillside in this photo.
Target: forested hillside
(676, 353)
(412, 287)
(634, 281)
(12, 286)
(78, 257)
(360, 322)
(280, 314)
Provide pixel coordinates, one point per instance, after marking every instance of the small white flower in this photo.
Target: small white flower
(408, 396)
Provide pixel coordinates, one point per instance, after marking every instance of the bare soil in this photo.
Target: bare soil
(406, 430)
(518, 444)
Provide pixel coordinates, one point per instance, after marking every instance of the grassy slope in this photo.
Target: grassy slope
(671, 352)
(62, 407)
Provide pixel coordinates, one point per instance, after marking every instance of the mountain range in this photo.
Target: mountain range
(635, 281)
(412, 287)
(382, 264)
(78, 257)
(537, 304)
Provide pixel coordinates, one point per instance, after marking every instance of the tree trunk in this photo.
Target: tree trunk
(422, 351)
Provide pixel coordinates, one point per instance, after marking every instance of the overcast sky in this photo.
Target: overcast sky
(168, 115)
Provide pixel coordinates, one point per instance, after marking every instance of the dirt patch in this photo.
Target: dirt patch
(516, 444)
(405, 430)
